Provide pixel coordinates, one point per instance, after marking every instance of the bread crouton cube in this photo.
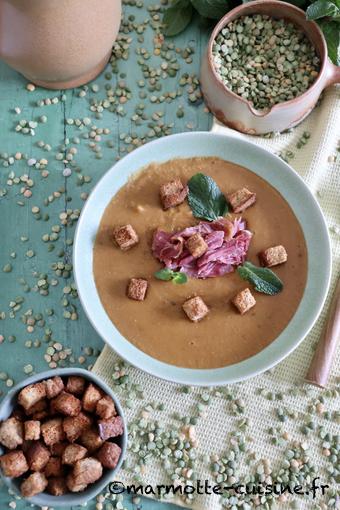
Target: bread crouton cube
(137, 288)
(195, 308)
(32, 430)
(38, 408)
(75, 385)
(54, 386)
(110, 428)
(273, 256)
(73, 485)
(196, 245)
(52, 431)
(14, 464)
(244, 301)
(91, 439)
(125, 236)
(11, 433)
(87, 470)
(90, 398)
(31, 394)
(58, 449)
(34, 484)
(54, 467)
(72, 453)
(37, 456)
(106, 408)
(67, 404)
(241, 199)
(57, 486)
(75, 426)
(173, 193)
(109, 455)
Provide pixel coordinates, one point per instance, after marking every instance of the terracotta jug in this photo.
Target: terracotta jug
(58, 43)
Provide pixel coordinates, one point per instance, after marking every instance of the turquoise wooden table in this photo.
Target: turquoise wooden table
(54, 146)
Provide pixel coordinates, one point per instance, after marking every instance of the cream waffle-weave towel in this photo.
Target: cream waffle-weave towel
(314, 162)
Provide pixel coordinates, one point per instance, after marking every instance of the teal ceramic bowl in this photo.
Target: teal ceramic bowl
(71, 499)
(268, 166)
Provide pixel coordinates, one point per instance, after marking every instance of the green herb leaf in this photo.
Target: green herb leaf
(213, 9)
(205, 198)
(263, 279)
(322, 8)
(167, 274)
(177, 17)
(180, 278)
(331, 31)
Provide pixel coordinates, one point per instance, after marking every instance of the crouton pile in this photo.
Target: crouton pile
(60, 437)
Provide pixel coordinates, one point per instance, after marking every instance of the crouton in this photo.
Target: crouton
(91, 440)
(72, 453)
(137, 288)
(241, 199)
(31, 394)
(196, 245)
(54, 467)
(273, 256)
(67, 404)
(75, 385)
(14, 464)
(32, 430)
(195, 308)
(87, 470)
(37, 456)
(110, 428)
(34, 484)
(106, 408)
(11, 433)
(52, 431)
(125, 236)
(75, 426)
(90, 398)
(54, 386)
(244, 301)
(58, 449)
(37, 408)
(57, 486)
(109, 455)
(73, 485)
(173, 193)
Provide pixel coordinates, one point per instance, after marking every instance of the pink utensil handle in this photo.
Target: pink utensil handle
(321, 364)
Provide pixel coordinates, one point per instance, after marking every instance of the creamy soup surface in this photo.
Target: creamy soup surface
(158, 325)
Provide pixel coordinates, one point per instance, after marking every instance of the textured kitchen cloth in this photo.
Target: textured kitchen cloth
(315, 164)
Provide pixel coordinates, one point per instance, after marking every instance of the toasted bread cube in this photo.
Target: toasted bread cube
(32, 430)
(67, 404)
(34, 484)
(195, 308)
(58, 449)
(87, 470)
(11, 433)
(75, 385)
(125, 236)
(14, 464)
(91, 440)
(196, 245)
(72, 453)
(73, 485)
(57, 486)
(38, 409)
(52, 431)
(110, 428)
(106, 408)
(109, 455)
(54, 467)
(54, 386)
(30, 395)
(244, 301)
(173, 193)
(137, 289)
(273, 256)
(75, 426)
(91, 397)
(241, 199)
(37, 456)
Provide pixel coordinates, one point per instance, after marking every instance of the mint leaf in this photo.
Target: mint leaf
(205, 198)
(263, 279)
(167, 274)
(177, 17)
(322, 8)
(213, 9)
(180, 278)
(331, 31)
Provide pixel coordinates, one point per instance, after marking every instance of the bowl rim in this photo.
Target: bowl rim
(83, 249)
(73, 499)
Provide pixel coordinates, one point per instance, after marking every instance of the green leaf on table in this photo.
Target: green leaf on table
(213, 9)
(331, 31)
(205, 198)
(263, 279)
(177, 17)
(167, 274)
(322, 8)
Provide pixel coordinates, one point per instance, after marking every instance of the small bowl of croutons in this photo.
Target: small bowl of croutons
(62, 437)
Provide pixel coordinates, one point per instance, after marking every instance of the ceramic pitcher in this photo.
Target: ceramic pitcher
(58, 43)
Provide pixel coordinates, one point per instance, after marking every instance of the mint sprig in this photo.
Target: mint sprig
(205, 198)
(167, 275)
(263, 279)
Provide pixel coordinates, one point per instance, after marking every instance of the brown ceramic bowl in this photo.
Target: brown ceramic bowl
(237, 112)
